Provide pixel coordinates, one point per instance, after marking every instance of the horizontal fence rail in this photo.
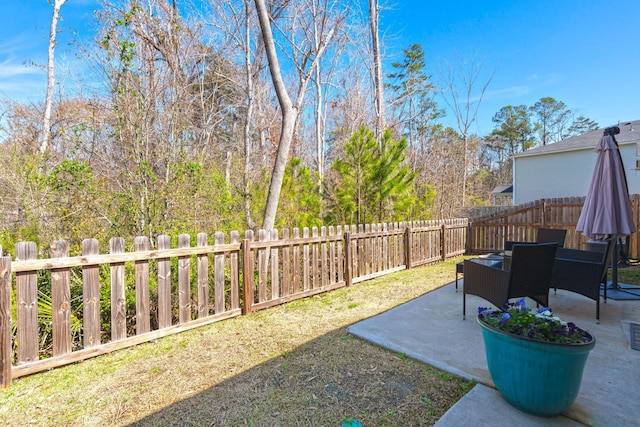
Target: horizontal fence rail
(65, 309)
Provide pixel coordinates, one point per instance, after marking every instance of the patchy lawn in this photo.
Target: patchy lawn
(292, 365)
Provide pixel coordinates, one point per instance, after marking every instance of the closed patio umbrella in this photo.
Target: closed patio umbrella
(606, 211)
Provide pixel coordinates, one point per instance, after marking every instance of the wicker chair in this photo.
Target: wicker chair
(545, 235)
(583, 271)
(529, 276)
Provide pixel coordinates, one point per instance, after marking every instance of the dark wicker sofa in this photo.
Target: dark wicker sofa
(583, 272)
(529, 275)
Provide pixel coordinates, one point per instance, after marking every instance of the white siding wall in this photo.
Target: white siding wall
(564, 174)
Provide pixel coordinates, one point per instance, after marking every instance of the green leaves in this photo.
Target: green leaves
(373, 183)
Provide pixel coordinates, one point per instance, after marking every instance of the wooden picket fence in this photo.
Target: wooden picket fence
(487, 234)
(156, 292)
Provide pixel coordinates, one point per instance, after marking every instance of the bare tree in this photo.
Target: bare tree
(463, 96)
(46, 120)
(377, 68)
(289, 109)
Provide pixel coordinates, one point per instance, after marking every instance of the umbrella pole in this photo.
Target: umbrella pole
(614, 268)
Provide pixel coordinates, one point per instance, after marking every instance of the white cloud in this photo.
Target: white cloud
(541, 80)
(508, 92)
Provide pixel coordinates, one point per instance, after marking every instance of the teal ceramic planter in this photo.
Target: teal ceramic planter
(538, 378)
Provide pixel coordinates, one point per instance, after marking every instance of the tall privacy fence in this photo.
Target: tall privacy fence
(487, 234)
(64, 309)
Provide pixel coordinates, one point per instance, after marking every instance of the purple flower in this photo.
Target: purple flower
(516, 318)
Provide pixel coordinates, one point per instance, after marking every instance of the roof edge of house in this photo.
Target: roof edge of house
(568, 149)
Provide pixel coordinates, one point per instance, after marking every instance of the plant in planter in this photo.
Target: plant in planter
(536, 360)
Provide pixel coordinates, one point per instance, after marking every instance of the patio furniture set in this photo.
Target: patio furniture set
(531, 269)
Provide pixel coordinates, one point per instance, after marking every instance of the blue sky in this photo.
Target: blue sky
(585, 53)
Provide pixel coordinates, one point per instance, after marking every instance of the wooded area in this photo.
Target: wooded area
(209, 116)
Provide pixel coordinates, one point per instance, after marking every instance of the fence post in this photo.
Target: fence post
(247, 276)
(407, 247)
(5, 321)
(348, 259)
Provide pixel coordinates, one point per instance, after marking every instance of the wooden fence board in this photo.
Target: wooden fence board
(118, 298)
(275, 266)
(305, 261)
(235, 273)
(286, 265)
(164, 285)
(296, 262)
(6, 339)
(315, 259)
(60, 301)
(340, 255)
(262, 267)
(203, 277)
(184, 281)
(219, 282)
(91, 297)
(27, 306)
(143, 315)
(247, 272)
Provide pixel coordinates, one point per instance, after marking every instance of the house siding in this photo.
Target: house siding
(564, 173)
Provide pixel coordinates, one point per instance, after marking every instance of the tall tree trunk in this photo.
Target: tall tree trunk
(377, 68)
(320, 117)
(288, 118)
(289, 110)
(46, 121)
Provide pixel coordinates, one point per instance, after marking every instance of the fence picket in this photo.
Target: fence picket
(164, 285)
(27, 306)
(118, 298)
(286, 265)
(60, 301)
(91, 297)
(5, 321)
(184, 281)
(275, 263)
(203, 277)
(305, 260)
(296, 261)
(143, 320)
(235, 274)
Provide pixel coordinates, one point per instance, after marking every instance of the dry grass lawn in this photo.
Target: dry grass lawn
(292, 365)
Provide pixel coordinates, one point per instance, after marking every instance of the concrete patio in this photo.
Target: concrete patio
(430, 329)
